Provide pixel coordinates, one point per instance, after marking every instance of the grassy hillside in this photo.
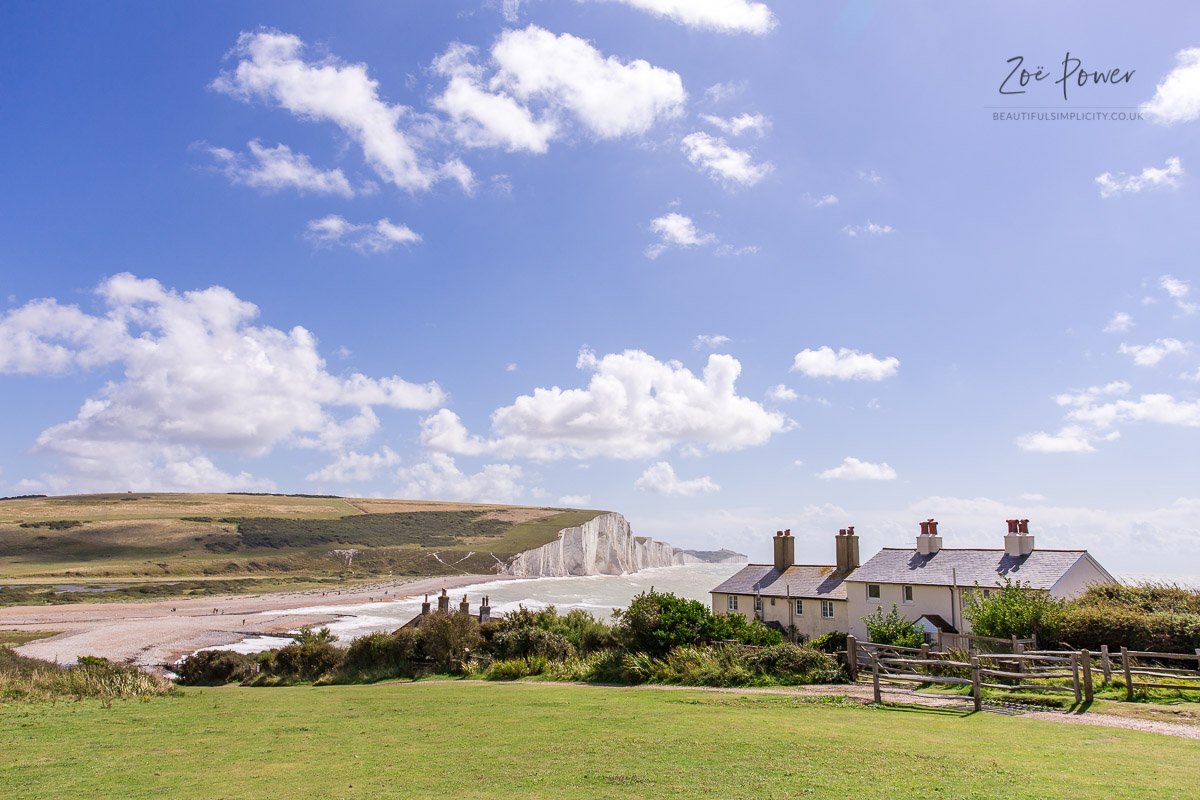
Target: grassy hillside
(441, 740)
(148, 545)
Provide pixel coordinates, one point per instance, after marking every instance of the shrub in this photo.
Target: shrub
(658, 622)
(1012, 610)
(216, 668)
(893, 628)
(306, 662)
(382, 655)
(793, 664)
(449, 639)
(830, 642)
(31, 679)
(527, 642)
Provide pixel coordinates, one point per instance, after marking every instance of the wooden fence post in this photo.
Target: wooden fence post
(976, 689)
(1086, 657)
(1019, 650)
(1075, 678)
(925, 652)
(939, 640)
(1128, 674)
(1198, 657)
(875, 679)
(852, 657)
(1105, 663)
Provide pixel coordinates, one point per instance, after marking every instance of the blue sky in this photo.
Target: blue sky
(722, 266)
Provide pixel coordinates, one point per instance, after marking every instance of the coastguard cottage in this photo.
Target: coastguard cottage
(929, 583)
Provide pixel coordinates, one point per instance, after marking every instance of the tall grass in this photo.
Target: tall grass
(31, 679)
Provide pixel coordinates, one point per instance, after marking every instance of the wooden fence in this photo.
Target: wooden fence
(986, 644)
(1063, 671)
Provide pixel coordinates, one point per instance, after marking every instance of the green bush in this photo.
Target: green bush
(216, 668)
(31, 679)
(793, 664)
(306, 662)
(830, 642)
(449, 639)
(1011, 610)
(893, 628)
(382, 655)
(527, 642)
(658, 622)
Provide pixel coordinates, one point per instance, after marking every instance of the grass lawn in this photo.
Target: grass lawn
(486, 740)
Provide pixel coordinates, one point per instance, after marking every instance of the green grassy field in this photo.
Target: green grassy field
(154, 545)
(483, 740)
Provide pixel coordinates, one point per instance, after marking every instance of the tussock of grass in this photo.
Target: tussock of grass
(31, 679)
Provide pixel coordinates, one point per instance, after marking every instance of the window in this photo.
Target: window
(827, 609)
(757, 603)
(799, 608)
(733, 602)
(872, 591)
(907, 594)
(772, 601)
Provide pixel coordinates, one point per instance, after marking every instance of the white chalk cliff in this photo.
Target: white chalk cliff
(605, 545)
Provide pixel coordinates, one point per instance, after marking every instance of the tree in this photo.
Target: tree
(657, 622)
(893, 628)
(449, 638)
(1012, 609)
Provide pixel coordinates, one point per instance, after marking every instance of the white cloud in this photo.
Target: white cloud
(377, 237)
(1093, 417)
(1033, 497)
(870, 176)
(782, 394)
(724, 163)
(1148, 355)
(439, 478)
(198, 375)
(575, 500)
(723, 16)
(275, 168)
(510, 367)
(484, 118)
(729, 251)
(676, 230)
(1149, 178)
(844, 365)
(736, 126)
(1177, 97)
(510, 10)
(851, 469)
(710, 341)
(633, 407)
(720, 92)
(660, 478)
(869, 229)
(566, 74)
(354, 467)
(822, 201)
(1178, 291)
(1120, 323)
(270, 67)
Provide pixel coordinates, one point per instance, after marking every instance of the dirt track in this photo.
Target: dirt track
(160, 632)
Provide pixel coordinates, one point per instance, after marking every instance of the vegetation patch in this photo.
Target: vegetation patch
(31, 679)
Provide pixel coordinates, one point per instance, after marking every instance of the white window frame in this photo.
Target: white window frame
(826, 609)
(906, 594)
(799, 608)
(732, 602)
(878, 598)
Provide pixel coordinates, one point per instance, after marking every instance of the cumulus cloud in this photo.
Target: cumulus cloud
(355, 467)
(274, 168)
(736, 126)
(439, 478)
(844, 364)
(634, 406)
(1097, 413)
(723, 16)
(1149, 178)
(1148, 355)
(536, 81)
(782, 394)
(1177, 97)
(1178, 290)
(1120, 323)
(851, 469)
(710, 341)
(271, 67)
(376, 237)
(676, 230)
(198, 375)
(868, 229)
(576, 500)
(723, 163)
(660, 478)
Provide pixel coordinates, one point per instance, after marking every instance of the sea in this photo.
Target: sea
(596, 594)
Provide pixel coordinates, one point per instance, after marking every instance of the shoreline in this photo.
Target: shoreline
(153, 634)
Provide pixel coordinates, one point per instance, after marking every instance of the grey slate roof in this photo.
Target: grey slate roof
(1041, 569)
(802, 580)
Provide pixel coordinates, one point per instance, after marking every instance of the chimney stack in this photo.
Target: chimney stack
(485, 610)
(847, 551)
(443, 603)
(425, 607)
(929, 542)
(785, 550)
(1018, 541)
(464, 607)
